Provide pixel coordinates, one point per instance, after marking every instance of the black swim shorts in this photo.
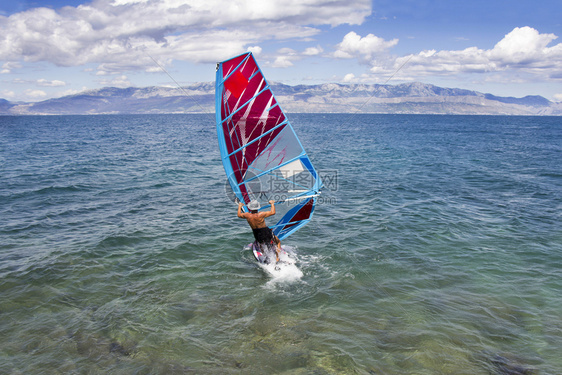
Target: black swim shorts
(263, 235)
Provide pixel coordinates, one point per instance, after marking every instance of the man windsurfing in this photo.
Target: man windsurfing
(262, 233)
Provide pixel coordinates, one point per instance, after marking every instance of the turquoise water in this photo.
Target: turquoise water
(436, 249)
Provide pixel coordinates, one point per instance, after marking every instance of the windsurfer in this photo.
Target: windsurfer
(262, 233)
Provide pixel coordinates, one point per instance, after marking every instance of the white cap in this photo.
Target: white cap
(254, 205)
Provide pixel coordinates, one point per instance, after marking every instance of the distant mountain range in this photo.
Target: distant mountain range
(407, 98)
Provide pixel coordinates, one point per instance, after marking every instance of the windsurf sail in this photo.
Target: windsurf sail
(261, 153)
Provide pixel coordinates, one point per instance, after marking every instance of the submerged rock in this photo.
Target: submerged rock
(119, 349)
(507, 365)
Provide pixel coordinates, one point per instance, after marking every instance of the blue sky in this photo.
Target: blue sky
(51, 48)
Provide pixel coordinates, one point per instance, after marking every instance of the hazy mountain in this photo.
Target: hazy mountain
(413, 98)
(5, 106)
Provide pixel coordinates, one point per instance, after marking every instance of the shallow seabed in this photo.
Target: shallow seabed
(436, 249)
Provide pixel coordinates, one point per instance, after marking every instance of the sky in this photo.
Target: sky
(52, 48)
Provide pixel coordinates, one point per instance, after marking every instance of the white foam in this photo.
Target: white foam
(286, 271)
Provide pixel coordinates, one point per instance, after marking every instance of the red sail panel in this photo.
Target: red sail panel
(230, 65)
(232, 103)
(236, 83)
(246, 156)
(302, 214)
(251, 122)
(256, 118)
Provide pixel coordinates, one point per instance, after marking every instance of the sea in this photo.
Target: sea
(435, 248)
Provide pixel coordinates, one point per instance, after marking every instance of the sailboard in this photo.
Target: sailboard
(261, 153)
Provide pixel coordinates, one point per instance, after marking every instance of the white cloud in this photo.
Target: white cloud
(35, 94)
(39, 82)
(522, 45)
(7, 94)
(313, 51)
(558, 97)
(54, 83)
(9, 66)
(287, 56)
(121, 81)
(127, 2)
(114, 33)
(282, 62)
(349, 77)
(71, 92)
(256, 50)
(355, 46)
(523, 49)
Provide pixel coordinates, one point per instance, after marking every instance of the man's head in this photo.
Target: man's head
(254, 206)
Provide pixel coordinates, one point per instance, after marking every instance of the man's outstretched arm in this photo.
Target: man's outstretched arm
(271, 212)
(241, 214)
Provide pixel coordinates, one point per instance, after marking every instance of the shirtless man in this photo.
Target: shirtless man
(264, 236)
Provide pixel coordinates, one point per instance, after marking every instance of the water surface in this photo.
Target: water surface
(436, 249)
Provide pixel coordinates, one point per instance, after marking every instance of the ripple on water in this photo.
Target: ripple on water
(435, 250)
